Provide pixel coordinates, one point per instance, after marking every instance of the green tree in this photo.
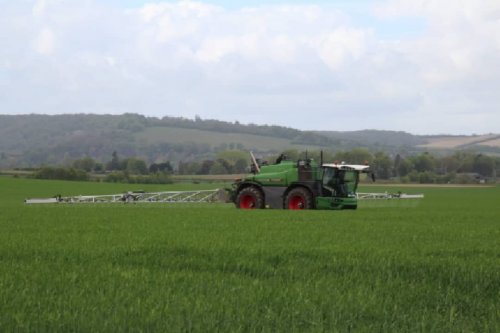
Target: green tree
(466, 160)
(87, 163)
(136, 166)
(404, 167)
(484, 165)
(382, 165)
(189, 168)
(98, 167)
(448, 164)
(194, 168)
(496, 171)
(424, 162)
(60, 173)
(218, 168)
(205, 167)
(426, 177)
(114, 164)
(164, 167)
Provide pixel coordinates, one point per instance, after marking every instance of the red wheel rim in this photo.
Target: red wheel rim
(247, 201)
(296, 202)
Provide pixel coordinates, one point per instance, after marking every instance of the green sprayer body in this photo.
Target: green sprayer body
(302, 184)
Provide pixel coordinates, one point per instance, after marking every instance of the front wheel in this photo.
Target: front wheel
(299, 198)
(250, 198)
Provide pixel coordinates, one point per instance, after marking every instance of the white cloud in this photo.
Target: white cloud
(266, 64)
(461, 36)
(39, 8)
(343, 45)
(174, 21)
(45, 42)
(456, 62)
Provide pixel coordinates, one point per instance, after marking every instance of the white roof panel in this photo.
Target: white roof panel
(356, 167)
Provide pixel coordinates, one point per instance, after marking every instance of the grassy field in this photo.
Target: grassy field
(210, 267)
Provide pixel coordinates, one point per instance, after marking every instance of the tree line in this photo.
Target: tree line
(460, 167)
(425, 167)
(127, 170)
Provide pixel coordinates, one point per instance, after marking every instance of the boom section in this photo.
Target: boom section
(217, 195)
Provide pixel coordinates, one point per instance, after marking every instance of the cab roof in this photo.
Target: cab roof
(342, 166)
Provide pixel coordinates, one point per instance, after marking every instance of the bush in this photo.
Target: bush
(61, 174)
(124, 177)
(117, 177)
(463, 178)
(426, 177)
(156, 178)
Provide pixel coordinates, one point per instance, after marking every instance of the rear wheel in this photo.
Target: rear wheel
(299, 198)
(250, 198)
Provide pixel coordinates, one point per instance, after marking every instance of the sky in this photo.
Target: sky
(420, 66)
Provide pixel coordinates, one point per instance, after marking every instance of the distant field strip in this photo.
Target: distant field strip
(491, 143)
(450, 142)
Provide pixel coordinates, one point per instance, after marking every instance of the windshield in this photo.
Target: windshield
(342, 183)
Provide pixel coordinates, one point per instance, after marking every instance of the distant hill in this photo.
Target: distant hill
(32, 140)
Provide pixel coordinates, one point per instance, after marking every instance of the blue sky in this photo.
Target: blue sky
(424, 67)
(252, 3)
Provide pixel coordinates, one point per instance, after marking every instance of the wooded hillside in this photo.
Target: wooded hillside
(32, 140)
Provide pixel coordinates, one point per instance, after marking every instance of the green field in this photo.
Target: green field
(434, 267)
(154, 135)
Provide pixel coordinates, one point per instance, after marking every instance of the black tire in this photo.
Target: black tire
(250, 198)
(299, 198)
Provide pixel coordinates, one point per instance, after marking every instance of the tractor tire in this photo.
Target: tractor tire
(250, 198)
(299, 198)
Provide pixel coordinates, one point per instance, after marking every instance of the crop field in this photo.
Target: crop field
(431, 267)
